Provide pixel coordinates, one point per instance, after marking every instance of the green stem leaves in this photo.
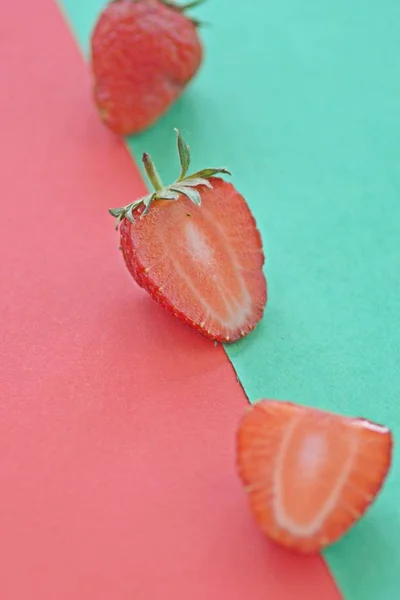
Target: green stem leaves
(183, 7)
(151, 173)
(190, 5)
(186, 185)
(184, 154)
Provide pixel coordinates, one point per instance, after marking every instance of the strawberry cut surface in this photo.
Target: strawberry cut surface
(310, 474)
(202, 263)
(195, 248)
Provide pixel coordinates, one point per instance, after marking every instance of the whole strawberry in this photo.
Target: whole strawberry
(195, 248)
(143, 54)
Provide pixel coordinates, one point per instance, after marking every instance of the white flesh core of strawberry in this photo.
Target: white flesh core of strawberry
(198, 247)
(240, 310)
(313, 452)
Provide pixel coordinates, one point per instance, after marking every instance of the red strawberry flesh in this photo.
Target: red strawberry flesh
(310, 474)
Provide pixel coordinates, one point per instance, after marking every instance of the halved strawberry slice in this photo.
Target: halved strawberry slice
(310, 474)
(194, 246)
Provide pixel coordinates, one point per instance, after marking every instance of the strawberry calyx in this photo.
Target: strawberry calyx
(185, 184)
(182, 8)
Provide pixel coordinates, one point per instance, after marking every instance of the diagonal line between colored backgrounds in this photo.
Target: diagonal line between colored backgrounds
(116, 468)
(299, 104)
(82, 21)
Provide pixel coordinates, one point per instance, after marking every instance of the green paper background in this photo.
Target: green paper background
(301, 101)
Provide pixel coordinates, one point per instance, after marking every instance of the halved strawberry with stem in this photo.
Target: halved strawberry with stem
(310, 474)
(194, 246)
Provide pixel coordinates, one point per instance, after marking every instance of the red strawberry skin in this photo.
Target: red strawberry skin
(143, 54)
(152, 248)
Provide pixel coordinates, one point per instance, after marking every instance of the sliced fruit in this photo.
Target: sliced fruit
(310, 474)
(195, 248)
